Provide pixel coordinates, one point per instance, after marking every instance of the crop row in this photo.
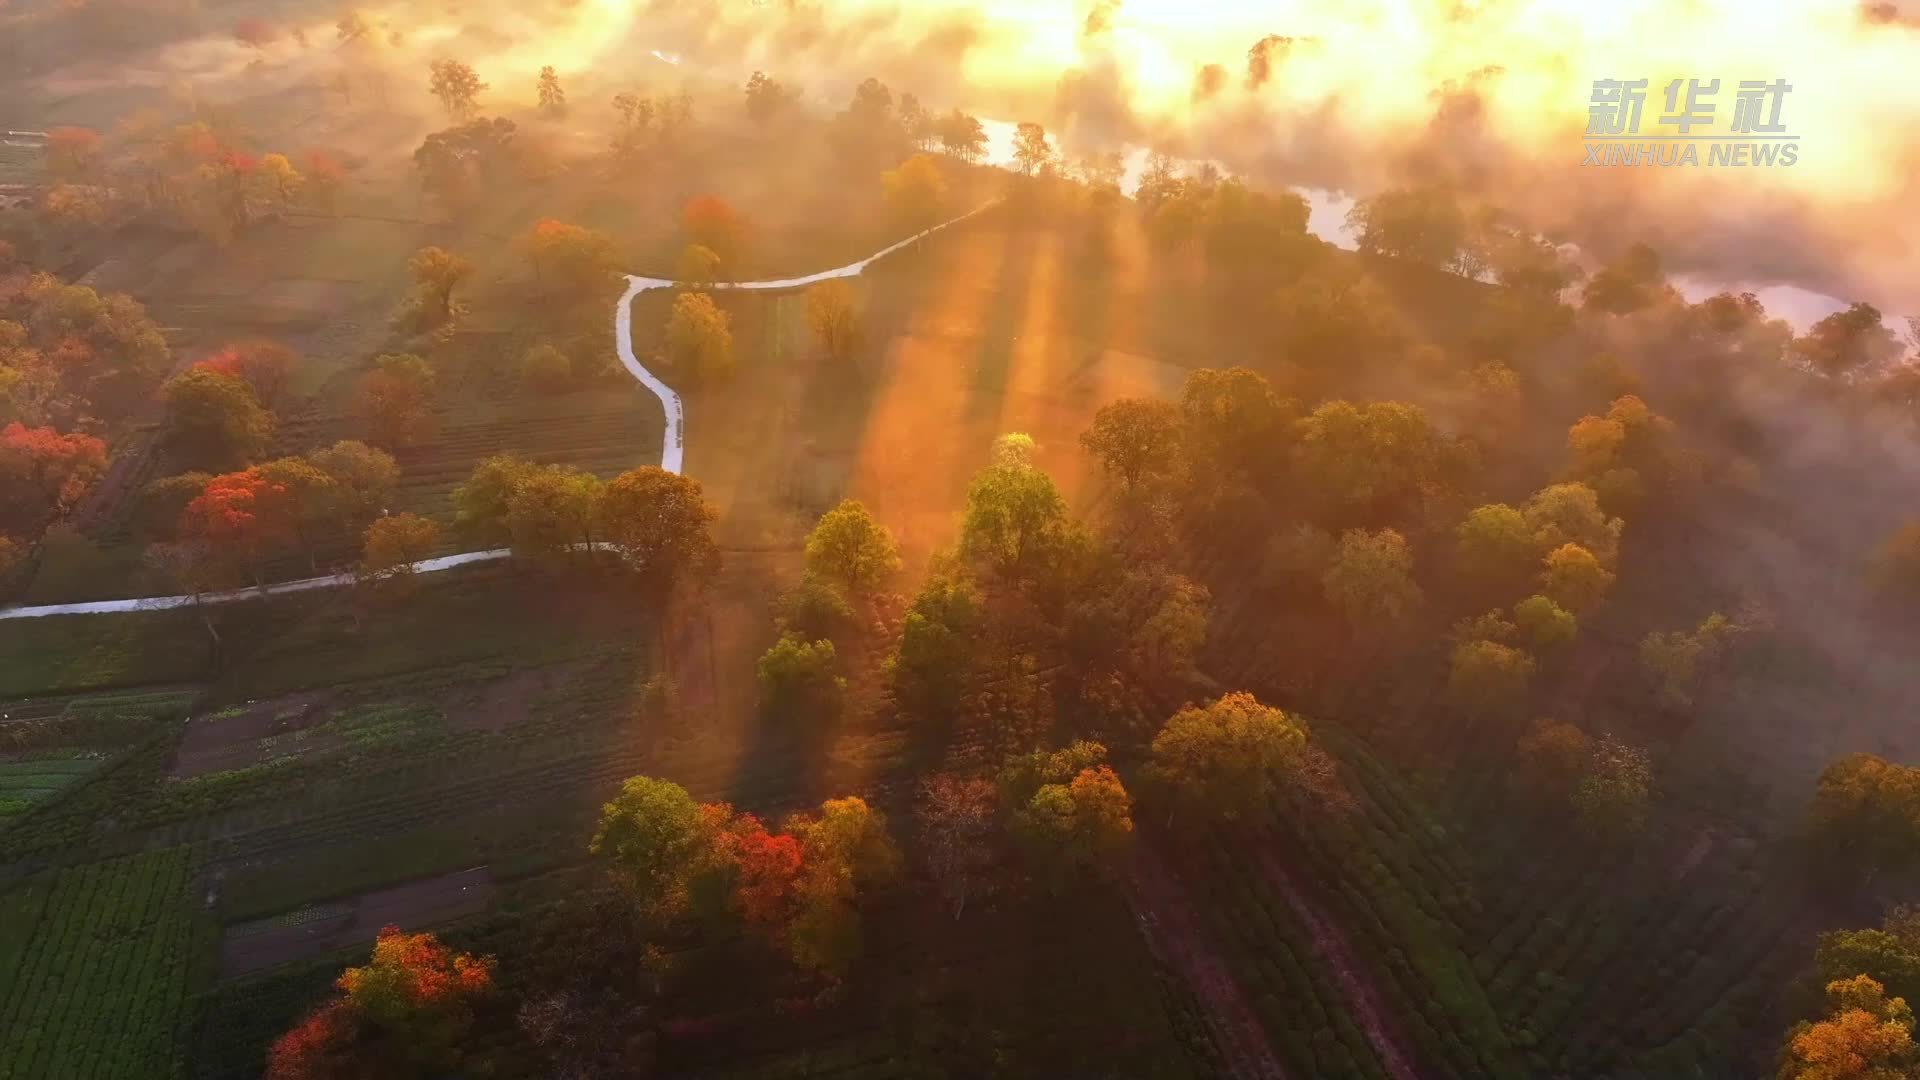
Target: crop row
(81, 815)
(99, 989)
(1595, 959)
(1307, 1019)
(1403, 935)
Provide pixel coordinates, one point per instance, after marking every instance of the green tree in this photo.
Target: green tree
(833, 317)
(1031, 152)
(457, 87)
(392, 545)
(1013, 448)
(916, 192)
(798, 681)
(481, 505)
(1553, 756)
(157, 508)
(1847, 343)
(1236, 426)
(1372, 462)
(962, 136)
(766, 98)
(815, 609)
(309, 505)
(653, 839)
(697, 265)
(553, 99)
(1247, 230)
(1163, 645)
(1226, 759)
(1626, 455)
(1137, 440)
(213, 421)
(572, 261)
(916, 123)
(1865, 814)
(436, 273)
(363, 477)
(846, 850)
(1571, 514)
(1336, 312)
(1495, 549)
(1486, 679)
(1487, 626)
(554, 510)
(1423, 225)
(1628, 284)
(409, 1012)
(1370, 582)
(463, 165)
(1544, 624)
(930, 669)
(850, 840)
(700, 337)
(1015, 520)
(1573, 578)
(1889, 954)
(546, 370)
(849, 547)
(1079, 827)
(1679, 661)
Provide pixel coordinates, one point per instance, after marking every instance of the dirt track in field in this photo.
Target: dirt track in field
(323, 928)
(1331, 946)
(1165, 914)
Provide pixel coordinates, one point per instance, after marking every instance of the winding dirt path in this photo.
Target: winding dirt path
(672, 450)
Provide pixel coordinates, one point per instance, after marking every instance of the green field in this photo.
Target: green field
(94, 969)
(27, 781)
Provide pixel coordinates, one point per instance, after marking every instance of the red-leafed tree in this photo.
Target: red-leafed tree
(405, 1014)
(714, 224)
(327, 1045)
(266, 366)
(763, 868)
(395, 401)
(44, 472)
(72, 152)
(242, 519)
(325, 176)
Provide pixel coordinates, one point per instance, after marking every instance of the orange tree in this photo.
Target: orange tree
(403, 1015)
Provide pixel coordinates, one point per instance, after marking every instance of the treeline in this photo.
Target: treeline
(75, 369)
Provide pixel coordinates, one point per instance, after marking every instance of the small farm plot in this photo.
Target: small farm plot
(26, 781)
(94, 966)
(317, 929)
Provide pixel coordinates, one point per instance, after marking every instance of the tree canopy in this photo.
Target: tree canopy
(1227, 758)
(849, 547)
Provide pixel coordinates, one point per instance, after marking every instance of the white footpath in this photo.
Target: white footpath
(672, 450)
